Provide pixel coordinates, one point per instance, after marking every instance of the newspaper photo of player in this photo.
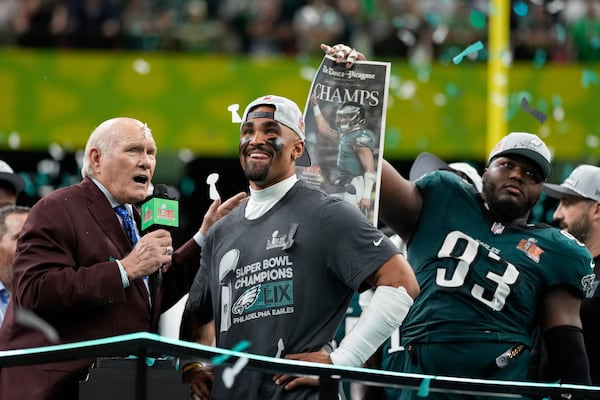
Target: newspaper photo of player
(345, 127)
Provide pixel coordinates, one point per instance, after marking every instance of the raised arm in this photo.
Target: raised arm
(400, 202)
(322, 125)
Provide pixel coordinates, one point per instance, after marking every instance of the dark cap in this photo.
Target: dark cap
(424, 164)
(7, 175)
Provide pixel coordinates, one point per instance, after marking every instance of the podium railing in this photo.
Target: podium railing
(145, 344)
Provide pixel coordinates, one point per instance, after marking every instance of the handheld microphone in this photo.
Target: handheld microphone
(161, 211)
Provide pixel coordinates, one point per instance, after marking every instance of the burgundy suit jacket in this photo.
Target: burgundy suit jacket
(65, 272)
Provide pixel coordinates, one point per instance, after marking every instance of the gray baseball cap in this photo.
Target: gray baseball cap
(8, 175)
(584, 181)
(287, 113)
(526, 145)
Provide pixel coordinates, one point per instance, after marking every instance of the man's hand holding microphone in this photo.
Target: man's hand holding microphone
(160, 215)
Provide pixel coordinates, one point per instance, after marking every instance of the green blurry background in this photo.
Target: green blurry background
(59, 97)
(51, 101)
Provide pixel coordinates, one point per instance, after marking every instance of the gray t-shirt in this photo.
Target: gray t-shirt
(284, 280)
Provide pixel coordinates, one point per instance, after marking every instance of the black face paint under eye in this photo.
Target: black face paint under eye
(244, 141)
(277, 143)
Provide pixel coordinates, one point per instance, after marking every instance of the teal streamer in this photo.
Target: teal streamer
(241, 346)
(424, 388)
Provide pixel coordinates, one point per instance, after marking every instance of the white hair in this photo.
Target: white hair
(104, 137)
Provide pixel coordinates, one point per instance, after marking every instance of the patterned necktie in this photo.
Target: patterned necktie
(4, 298)
(129, 227)
(128, 224)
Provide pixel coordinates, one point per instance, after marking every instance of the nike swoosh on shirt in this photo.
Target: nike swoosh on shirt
(378, 242)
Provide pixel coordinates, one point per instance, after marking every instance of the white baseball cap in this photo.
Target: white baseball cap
(526, 145)
(470, 172)
(287, 113)
(8, 175)
(427, 162)
(584, 181)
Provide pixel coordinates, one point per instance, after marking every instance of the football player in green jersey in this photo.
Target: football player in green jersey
(487, 277)
(356, 146)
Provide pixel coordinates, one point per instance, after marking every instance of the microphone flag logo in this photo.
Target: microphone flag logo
(163, 212)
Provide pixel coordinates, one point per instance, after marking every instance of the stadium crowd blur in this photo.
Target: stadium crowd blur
(419, 30)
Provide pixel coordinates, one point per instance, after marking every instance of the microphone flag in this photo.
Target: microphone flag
(160, 212)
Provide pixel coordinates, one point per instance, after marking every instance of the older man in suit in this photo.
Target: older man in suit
(85, 270)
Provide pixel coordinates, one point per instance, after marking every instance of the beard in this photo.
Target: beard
(580, 229)
(505, 210)
(256, 173)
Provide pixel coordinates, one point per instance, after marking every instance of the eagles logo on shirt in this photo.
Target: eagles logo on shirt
(364, 140)
(246, 300)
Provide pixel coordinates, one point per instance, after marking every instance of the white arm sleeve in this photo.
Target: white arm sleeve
(385, 314)
(369, 179)
(316, 110)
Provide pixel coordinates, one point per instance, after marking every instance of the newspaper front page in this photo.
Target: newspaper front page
(345, 128)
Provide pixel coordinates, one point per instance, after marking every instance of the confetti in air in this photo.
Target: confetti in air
(30, 320)
(540, 116)
(588, 77)
(230, 373)
(520, 8)
(241, 346)
(424, 388)
(141, 66)
(478, 19)
(471, 49)
(280, 348)
(235, 117)
(539, 58)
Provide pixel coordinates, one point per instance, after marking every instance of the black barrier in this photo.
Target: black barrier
(143, 345)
